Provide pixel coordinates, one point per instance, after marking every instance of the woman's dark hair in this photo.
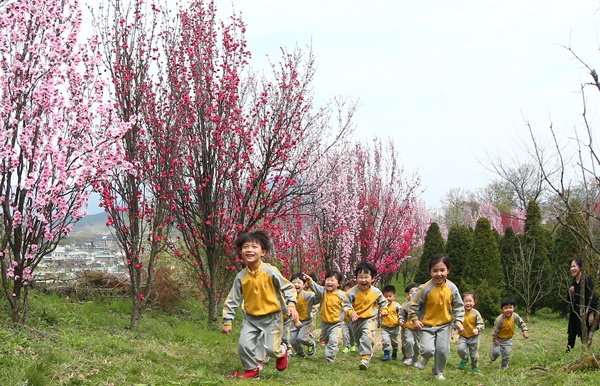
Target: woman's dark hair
(579, 262)
(437, 258)
(260, 236)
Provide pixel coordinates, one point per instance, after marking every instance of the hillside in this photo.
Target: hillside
(88, 227)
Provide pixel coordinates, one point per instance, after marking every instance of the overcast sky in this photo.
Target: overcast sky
(447, 80)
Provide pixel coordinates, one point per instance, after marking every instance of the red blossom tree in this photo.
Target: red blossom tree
(56, 135)
(138, 199)
(250, 142)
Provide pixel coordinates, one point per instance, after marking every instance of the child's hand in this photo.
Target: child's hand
(476, 331)
(226, 329)
(292, 313)
(459, 327)
(307, 279)
(417, 324)
(525, 335)
(354, 316)
(496, 341)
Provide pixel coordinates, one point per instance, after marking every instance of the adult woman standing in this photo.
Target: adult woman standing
(587, 307)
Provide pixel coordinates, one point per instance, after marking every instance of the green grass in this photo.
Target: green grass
(88, 343)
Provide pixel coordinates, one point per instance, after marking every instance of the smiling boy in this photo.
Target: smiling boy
(504, 329)
(266, 294)
(364, 303)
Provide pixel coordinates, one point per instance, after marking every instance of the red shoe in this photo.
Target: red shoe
(282, 363)
(248, 374)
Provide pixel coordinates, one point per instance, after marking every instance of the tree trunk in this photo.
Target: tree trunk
(136, 312)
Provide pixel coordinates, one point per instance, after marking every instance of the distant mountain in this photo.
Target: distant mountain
(87, 228)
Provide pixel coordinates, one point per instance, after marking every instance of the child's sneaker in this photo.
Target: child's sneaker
(247, 374)
(282, 363)
(298, 354)
(312, 349)
(364, 364)
(353, 349)
(475, 370)
(407, 361)
(421, 364)
(346, 350)
(462, 364)
(440, 377)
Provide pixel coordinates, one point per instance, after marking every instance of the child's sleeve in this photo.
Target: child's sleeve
(479, 322)
(319, 290)
(232, 302)
(458, 307)
(497, 325)
(520, 322)
(286, 287)
(349, 299)
(416, 300)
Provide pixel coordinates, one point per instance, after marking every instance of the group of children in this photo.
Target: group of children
(271, 303)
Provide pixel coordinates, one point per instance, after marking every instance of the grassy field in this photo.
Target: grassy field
(87, 343)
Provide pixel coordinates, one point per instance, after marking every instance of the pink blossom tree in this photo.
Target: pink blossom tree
(57, 135)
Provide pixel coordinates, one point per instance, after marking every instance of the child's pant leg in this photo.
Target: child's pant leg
(272, 326)
(435, 342)
(330, 332)
(304, 337)
(394, 337)
(346, 335)
(505, 348)
(463, 348)
(287, 326)
(364, 333)
(294, 340)
(386, 339)
(411, 343)
(250, 337)
(473, 344)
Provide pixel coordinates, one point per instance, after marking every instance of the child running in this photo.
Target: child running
(364, 304)
(410, 336)
(264, 293)
(433, 308)
(390, 323)
(468, 343)
(300, 333)
(504, 329)
(332, 310)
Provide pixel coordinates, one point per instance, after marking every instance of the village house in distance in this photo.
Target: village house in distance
(103, 253)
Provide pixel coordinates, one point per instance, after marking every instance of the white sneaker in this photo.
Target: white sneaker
(440, 377)
(420, 364)
(407, 361)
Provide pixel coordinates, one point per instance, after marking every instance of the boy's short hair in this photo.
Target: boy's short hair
(410, 286)
(337, 275)
(260, 236)
(298, 275)
(365, 267)
(389, 288)
(507, 301)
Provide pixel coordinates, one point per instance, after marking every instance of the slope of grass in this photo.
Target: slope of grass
(87, 343)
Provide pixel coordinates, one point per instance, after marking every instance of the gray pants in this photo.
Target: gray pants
(301, 336)
(330, 333)
(364, 333)
(389, 338)
(469, 347)
(252, 328)
(347, 339)
(435, 342)
(502, 349)
(411, 343)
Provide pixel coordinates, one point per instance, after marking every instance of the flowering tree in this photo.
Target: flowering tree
(249, 142)
(364, 209)
(137, 198)
(56, 135)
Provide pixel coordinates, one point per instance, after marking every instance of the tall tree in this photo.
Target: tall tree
(137, 199)
(459, 247)
(250, 141)
(434, 244)
(57, 135)
(483, 272)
